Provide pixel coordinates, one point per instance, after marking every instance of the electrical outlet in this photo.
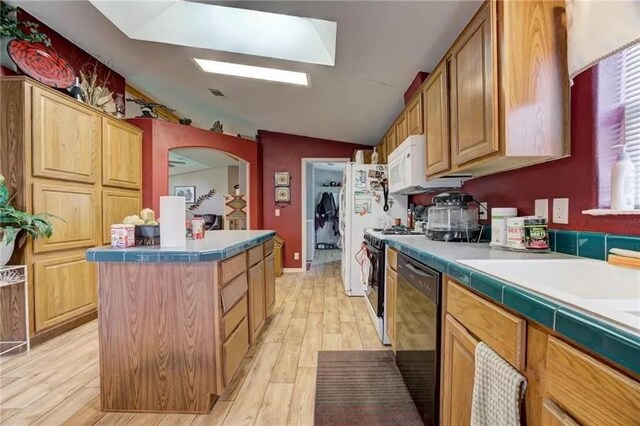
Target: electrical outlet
(483, 212)
(542, 208)
(561, 210)
(277, 212)
(296, 256)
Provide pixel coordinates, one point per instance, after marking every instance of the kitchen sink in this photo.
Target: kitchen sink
(594, 286)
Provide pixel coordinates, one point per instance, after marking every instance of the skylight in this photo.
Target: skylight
(248, 71)
(225, 29)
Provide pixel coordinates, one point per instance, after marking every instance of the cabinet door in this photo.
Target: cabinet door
(401, 129)
(116, 205)
(256, 299)
(64, 288)
(552, 415)
(436, 117)
(390, 139)
(66, 138)
(234, 349)
(77, 206)
(391, 290)
(269, 283)
(473, 129)
(458, 373)
(414, 116)
(121, 155)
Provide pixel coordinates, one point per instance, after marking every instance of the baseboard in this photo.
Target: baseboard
(45, 335)
(292, 270)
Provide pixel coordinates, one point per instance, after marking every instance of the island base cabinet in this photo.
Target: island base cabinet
(269, 282)
(256, 300)
(233, 350)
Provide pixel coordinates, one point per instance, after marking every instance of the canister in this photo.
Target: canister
(197, 228)
(536, 234)
(123, 235)
(515, 232)
(499, 216)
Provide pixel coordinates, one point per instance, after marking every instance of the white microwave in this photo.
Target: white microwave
(406, 170)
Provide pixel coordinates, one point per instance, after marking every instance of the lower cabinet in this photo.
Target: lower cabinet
(392, 290)
(552, 415)
(233, 350)
(269, 283)
(64, 288)
(256, 299)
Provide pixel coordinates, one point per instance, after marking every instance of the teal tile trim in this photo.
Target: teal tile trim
(487, 285)
(459, 273)
(592, 245)
(612, 343)
(155, 254)
(623, 242)
(566, 242)
(531, 306)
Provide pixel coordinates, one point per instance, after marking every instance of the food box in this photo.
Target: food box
(123, 235)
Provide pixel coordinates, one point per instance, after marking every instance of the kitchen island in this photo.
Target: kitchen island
(175, 323)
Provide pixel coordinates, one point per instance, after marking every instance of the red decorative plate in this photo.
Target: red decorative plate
(42, 64)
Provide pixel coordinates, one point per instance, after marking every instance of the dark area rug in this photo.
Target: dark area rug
(362, 388)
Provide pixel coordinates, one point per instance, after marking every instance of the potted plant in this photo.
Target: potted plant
(12, 221)
(11, 28)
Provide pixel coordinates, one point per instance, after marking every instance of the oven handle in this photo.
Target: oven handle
(419, 271)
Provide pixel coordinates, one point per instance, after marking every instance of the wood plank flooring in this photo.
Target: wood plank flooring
(58, 383)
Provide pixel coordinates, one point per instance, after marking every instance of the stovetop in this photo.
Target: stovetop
(397, 230)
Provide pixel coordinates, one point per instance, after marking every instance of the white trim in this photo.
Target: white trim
(303, 199)
(292, 270)
(609, 212)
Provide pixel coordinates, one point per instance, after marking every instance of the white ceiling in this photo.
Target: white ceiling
(380, 47)
(196, 159)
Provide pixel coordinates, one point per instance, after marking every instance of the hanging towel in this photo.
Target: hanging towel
(498, 390)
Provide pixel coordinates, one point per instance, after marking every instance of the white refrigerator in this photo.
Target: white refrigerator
(362, 203)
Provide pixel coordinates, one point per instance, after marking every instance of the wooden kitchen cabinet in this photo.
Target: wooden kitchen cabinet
(391, 288)
(234, 349)
(390, 140)
(458, 373)
(436, 118)
(269, 283)
(116, 205)
(401, 129)
(66, 138)
(121, 154)
(413, 112)
(64, 288)
(473, 91)
(552, 415)
(256, 300)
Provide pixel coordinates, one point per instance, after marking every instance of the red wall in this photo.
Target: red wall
(72, 53)
(161, 136)
(284, 153)
(574, 177)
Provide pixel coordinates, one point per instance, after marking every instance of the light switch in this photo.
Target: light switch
(277, 212)
(296, 256)
(561, 210)
(542, 208)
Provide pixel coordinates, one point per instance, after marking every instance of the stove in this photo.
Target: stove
(398, 230)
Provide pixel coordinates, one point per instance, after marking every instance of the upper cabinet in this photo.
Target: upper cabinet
(471, 94)
(390, 140)
(413, 112)
(122, 154)
(401, 129)
(66, 138)
(436, 119)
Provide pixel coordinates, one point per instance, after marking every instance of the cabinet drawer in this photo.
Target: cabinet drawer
(64, 288)
(255, 255)
(77, 206)
(66, 138)
(232, 318)
(234, 349)
(392, 259)
(233, 267)
(268, 247)
(498, 328)
(121, 154)
(233, 292)
(116, 205)
(588, 390)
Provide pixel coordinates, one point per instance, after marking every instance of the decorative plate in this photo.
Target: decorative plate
(42, 64)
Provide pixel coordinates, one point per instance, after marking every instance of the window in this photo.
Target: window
(631, 99)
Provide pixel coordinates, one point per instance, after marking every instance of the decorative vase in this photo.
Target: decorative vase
(6, 250)
(5, 59)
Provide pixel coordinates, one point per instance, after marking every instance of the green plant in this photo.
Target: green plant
(12, 221)
(10, 26)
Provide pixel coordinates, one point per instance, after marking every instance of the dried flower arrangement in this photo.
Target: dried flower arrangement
(11, 276)
(94, 90)
(195, 206)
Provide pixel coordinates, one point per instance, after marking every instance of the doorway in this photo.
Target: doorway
(322, 180)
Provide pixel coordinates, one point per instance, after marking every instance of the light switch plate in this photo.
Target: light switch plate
(483, 211)
(542, 208)
(561, 210)
(296, 256)
(277, 212)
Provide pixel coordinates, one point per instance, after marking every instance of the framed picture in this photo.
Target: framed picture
(283, 194)
(188, 192)
(282, 178)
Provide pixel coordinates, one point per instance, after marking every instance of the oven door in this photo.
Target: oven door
(375, 286)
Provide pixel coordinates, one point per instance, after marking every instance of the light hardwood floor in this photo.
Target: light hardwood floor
(58, 382)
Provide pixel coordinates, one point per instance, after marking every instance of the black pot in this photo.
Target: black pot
(147, 231)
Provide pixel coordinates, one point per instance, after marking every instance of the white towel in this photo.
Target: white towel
(498, 390)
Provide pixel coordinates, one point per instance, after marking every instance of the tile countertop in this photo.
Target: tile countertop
(616, 343)
(217, 245)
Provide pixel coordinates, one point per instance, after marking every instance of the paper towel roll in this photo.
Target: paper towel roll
(172, 222)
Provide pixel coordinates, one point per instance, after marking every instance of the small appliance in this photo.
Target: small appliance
(406, 170)
(454, 217)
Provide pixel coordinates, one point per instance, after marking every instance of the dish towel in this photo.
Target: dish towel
(498, 390)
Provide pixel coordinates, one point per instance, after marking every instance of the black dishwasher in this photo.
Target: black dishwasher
(418, 334)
